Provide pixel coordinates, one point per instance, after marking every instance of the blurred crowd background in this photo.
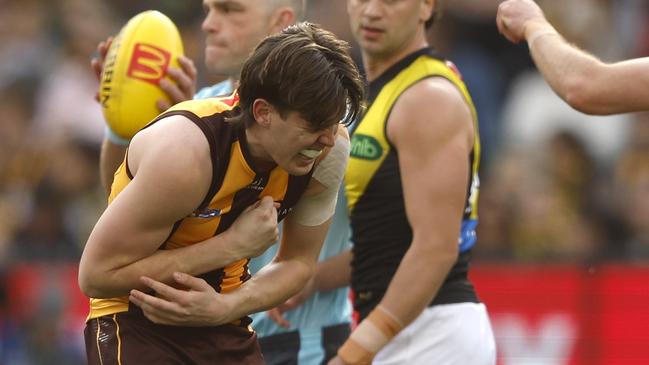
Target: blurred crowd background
(557, 186)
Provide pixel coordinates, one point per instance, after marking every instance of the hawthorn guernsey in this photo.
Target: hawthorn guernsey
(136, 62)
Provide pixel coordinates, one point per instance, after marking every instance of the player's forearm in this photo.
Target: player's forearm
(576, 76)
(427, 264)
(334, 272)
(271, 286)
(116, 276)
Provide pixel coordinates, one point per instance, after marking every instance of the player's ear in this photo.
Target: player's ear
(281, 18)
(261, 111)
(426, 9)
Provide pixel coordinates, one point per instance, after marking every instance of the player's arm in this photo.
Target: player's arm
(111, 156)
(583, 81)
(304, 231)
(432, 130)
(589, 85)
(289, 271)
(172, 172)
(334, 272)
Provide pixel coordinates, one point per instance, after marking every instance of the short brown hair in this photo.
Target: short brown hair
(305, 69)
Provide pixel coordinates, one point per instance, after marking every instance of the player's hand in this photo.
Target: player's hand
(515, 16)
(97, 61)
(184, 85)
(336, 361)
(255, 229)
(198, 304)
(277, 314)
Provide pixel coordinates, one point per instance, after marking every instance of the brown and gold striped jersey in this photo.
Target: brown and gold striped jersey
(235, 185)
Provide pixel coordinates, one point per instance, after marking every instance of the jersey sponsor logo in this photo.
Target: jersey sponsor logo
(107, 75)
(231, 100)
(149, 63)
(206, 213)
(365, 147)
(454, 68)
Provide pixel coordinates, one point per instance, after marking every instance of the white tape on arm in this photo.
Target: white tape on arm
(313, 210)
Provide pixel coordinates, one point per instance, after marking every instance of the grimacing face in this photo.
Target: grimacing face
(383, 27)
(232, 30)
(293, 146)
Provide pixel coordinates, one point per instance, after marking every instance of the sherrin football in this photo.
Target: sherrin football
(135, 63)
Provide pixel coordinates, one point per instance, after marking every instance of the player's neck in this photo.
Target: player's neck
(376, 64)
(260, 158)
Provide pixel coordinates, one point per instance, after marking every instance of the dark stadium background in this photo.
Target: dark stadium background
(562, 259)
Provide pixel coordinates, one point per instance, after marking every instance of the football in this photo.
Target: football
(137, 60)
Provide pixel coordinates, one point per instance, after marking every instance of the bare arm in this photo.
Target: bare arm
(432, 129)
(335, 272)
(110, 158)
(202, 306)
(583, 81)
(172, 172)
(287, 274)
(332, 273)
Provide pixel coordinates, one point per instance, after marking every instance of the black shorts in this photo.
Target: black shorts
(129, 338)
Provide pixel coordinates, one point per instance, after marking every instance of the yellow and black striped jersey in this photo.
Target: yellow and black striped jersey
(381, 231)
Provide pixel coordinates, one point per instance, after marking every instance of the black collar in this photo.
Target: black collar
(389, 74)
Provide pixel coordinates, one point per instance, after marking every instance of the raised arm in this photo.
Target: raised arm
(583, 81)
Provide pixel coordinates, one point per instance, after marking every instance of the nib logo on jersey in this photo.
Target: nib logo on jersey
(149, 63)
(365, 147)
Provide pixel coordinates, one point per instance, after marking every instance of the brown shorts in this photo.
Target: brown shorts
(129, 338)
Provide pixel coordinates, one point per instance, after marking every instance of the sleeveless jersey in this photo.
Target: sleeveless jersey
(235, 185)
(381, 232)
(322, 309)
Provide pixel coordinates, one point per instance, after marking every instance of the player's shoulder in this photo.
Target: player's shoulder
(432, 106)
(174, 136)
(431, 92)
(173, 150)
